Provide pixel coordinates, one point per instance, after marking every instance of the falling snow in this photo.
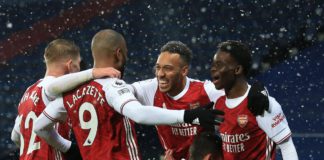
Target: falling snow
(286, 39)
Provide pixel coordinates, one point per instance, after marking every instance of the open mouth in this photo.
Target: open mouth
(216, 79)
(163, 83)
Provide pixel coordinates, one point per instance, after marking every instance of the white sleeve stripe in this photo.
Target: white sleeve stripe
(132, 146)
(49, 117)
(285, 138)
(123, 104)
(279, 132)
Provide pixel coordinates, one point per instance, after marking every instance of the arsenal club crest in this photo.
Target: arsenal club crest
(242, 120)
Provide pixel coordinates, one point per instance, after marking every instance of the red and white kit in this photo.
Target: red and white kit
(196, 93)
(30, 107)
(245, 136)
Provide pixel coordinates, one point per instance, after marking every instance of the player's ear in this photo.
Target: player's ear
(69, 66)
(185, 70)
(119, 54)
(238, 70)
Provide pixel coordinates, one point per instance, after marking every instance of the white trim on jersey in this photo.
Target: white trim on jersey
(130, 141)
(183, 92)
(269, 148)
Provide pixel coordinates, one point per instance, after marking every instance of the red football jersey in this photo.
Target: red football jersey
(100, 131)
(245, 136)
(30, 107)
(177, 137)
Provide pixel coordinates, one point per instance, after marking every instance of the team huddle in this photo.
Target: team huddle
(90, 114)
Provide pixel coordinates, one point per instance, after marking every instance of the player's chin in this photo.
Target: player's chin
(218, 86)
(164, 89)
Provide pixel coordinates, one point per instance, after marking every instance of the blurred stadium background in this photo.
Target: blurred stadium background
(286, 38)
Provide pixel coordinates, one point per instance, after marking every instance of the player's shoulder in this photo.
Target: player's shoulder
(114, 82)
(200, 82)
(274, 104)
(151, 81)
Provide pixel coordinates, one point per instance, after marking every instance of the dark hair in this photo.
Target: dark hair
(180, 48)
(239, 51)
(206, 143)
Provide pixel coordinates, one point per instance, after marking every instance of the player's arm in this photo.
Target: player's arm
(15, 133)
(275, 125)
(44, 125)
(144, 90)
(124, 102)
(70, 81)
(288, 150)
(212, 92)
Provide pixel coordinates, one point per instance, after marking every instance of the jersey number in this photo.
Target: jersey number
(91, 124)
(32, 146)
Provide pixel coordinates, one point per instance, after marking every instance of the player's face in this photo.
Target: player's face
(170, 73)
(75, 65)
(223, 70)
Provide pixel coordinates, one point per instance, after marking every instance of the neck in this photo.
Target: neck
(103, 63)
(55, 70)
(179, 88)
(238, 88)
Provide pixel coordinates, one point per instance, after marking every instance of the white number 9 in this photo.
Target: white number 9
(92, 124)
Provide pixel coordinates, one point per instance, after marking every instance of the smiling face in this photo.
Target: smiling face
(171, 73)
(224, 70)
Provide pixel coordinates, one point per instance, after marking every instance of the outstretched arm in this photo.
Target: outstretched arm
(70, 81)
(123, 101)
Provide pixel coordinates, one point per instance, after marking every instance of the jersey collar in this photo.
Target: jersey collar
(183, 92)
(232, 103)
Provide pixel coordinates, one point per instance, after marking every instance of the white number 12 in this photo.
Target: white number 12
(31, 116)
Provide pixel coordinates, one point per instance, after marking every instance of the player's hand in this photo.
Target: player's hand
(204, 116)
(258, 100)
(105, 72)
(168, 155)
(74, 152)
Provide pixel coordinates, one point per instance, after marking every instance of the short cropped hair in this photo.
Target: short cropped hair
(61, 49)
(206, 143)
(177, 47)
(239, 51)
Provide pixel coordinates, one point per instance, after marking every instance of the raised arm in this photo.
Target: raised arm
(70, 81)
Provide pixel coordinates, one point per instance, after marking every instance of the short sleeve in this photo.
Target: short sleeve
(145, 90)
(212, 92)
(118, 94)
(55, 110)
(274, 123)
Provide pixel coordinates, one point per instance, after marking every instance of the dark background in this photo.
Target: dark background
(286, 39)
